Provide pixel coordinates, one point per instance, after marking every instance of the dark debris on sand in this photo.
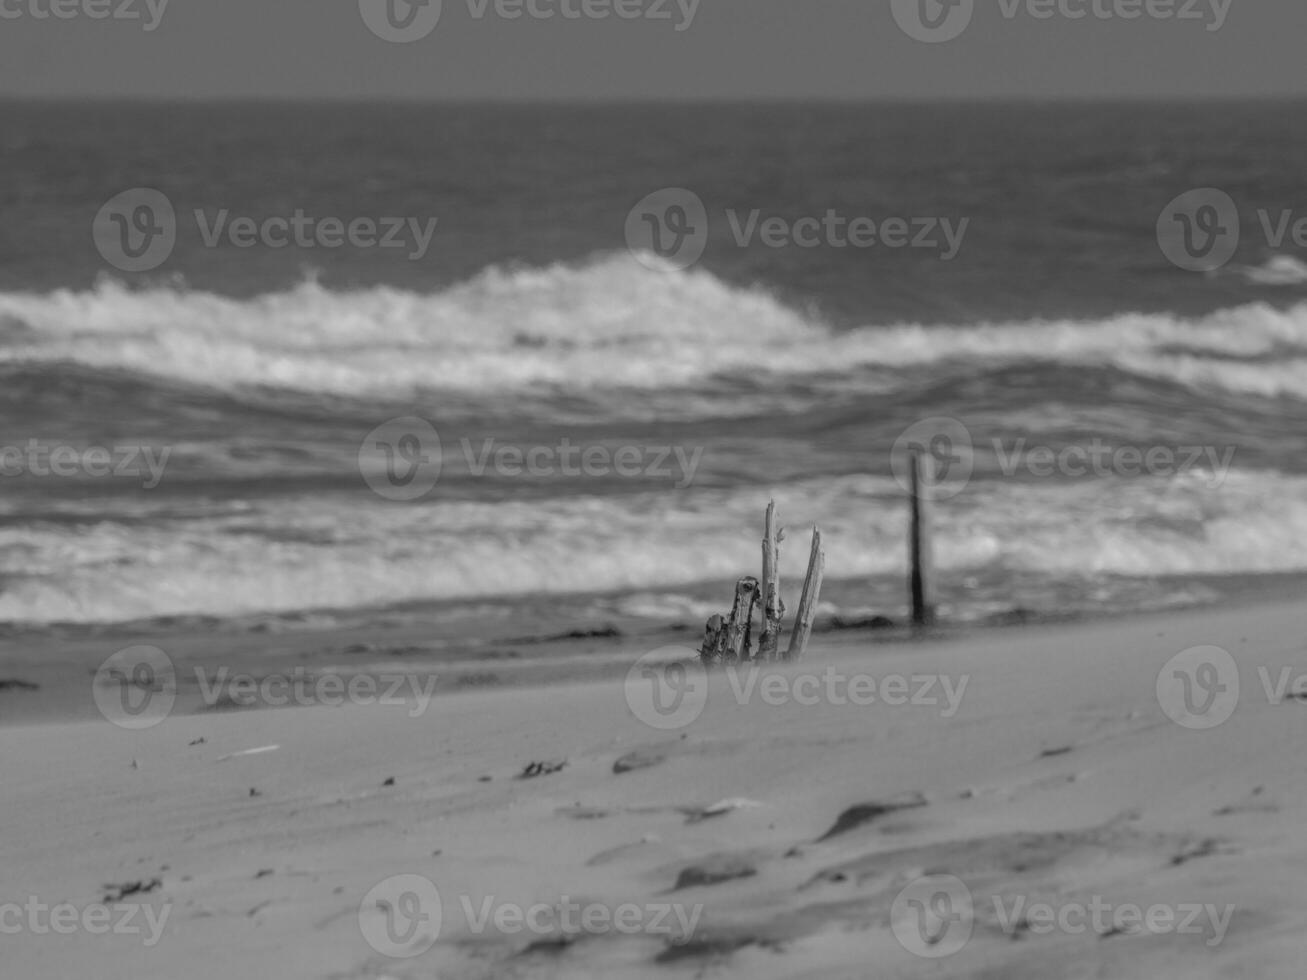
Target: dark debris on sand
(537, 769)
(865, 813)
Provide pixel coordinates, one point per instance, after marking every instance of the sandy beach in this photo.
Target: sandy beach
(603, 489)
(1014, 802)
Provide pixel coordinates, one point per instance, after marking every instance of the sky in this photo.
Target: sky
(660, 49)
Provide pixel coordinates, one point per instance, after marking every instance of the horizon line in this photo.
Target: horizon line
(723, 100)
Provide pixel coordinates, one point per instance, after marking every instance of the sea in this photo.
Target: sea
(601, 338)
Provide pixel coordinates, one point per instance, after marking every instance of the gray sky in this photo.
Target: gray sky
(730, 49)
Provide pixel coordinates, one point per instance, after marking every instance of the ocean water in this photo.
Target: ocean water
(759, 372)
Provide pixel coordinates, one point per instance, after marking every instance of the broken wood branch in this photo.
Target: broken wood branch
(808, 603)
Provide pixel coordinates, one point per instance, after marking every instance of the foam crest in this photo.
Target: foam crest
(610, 324)
(315, 553)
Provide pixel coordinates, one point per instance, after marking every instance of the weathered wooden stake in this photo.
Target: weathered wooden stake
(737, 630)
(919, 543)
(808, 603)
(773, 608)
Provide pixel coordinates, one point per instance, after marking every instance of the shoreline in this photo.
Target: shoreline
(47, 678)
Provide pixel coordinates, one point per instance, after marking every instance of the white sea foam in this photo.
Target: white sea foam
(609, 324)
(318, 552)
(1280, 270)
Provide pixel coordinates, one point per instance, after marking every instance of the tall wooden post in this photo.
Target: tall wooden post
(773, 609)
(921, 556)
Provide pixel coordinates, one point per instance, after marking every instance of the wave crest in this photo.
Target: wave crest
(610, 324)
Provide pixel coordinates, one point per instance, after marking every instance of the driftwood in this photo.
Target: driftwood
(773, 608)
(808, 603)
(739, 630)
(920, 553)
(727, 641)
(713, 650)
